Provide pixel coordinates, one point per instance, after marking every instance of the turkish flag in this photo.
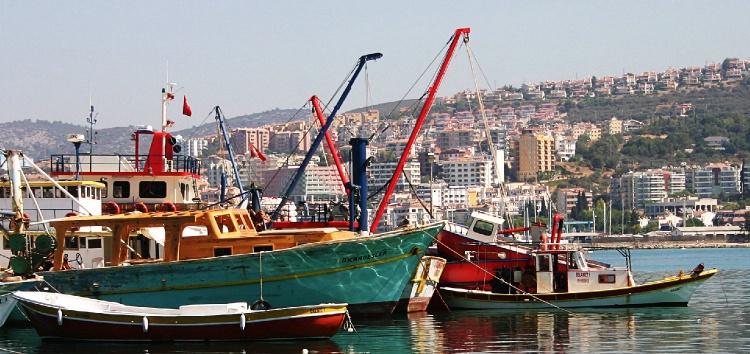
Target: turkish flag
(186, 107)
(255, 152)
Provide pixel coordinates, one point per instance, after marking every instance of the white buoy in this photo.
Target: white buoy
(304, 351)
(242, 321)
(59, 317)
(350, 330)
(145, 324)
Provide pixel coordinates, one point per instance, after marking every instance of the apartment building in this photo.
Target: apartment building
(242, 138)
(533, 153)
(470, 171)
(711, 180)
(567, 198)
(380, 173)
(318, 183)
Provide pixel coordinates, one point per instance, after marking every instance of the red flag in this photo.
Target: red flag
(170, 96)
(255, 152)
(186, 107)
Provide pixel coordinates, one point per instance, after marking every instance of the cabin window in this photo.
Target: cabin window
(121, 189)
(482, 227)
(74, 191)
(37, 192)
(5, 192)
(71, 243)
(156, 189)
(47, 192)
(82, 242)
(543, 263)
(225, 223)
(222, 251)
(59, 193)
(183, 190)
(606, 278)
(94, 243)
(105, 189)
(264, 248)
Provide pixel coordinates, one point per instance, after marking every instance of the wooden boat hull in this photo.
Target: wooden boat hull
(307, 322)
(369, 273)
(670, 291)
(418, 292)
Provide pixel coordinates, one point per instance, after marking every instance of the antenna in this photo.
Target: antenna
(91, 139)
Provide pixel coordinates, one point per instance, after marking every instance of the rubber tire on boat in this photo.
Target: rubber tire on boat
(256, 305)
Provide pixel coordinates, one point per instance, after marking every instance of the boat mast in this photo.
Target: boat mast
(331, 145)
(301, 170)
(228, 145)
(461, 32)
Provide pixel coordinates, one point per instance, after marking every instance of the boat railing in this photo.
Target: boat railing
(121, 163)
(456, 228)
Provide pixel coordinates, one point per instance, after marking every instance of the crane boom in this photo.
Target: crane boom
(461, 32)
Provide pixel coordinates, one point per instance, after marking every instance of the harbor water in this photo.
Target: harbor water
(716, 321)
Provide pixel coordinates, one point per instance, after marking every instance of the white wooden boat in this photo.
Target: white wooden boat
(60, 316)
(419, 290)
(562, 278)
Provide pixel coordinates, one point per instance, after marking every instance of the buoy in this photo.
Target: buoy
(112, 208)
(304, 351)
(145, 324)
(59, 317)
(242, 321)
(350, 330)
(140, 207)
(169, 206)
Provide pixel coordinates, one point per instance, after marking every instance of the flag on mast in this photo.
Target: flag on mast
(186, 107)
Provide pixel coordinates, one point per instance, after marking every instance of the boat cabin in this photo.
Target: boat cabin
(488, 228)
(560, 271)
(191, 235)
(44, 201)
(160, 179)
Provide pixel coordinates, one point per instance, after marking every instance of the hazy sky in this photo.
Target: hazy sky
(254, 56)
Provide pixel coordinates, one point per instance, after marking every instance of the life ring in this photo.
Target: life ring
(140, 207)
(256, 305)
(112, 208)
(169, 206)
(26, 220)
(72, 213)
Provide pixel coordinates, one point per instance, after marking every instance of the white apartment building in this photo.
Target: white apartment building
(709, 181)
(565, 147)
(636, 189)
(318, 183)
(471, 171)
(214, 167)
(193, 147)
(379, 173)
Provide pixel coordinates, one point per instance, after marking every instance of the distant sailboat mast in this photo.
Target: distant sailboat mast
(490, 143)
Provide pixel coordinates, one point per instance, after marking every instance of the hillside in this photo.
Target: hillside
(40, 139)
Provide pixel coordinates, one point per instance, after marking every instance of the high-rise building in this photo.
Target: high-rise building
(533, 153)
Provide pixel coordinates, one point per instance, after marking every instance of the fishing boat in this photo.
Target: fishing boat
(161, 179)
(217, 255)
(420, 288)
(474, 252)
(68, 317)
(542, 283)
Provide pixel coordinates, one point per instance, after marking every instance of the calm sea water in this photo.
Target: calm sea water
(716, 321)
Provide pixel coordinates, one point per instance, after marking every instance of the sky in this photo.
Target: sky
(254, 56)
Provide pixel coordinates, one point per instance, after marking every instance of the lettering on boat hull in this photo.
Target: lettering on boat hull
(364, 257)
